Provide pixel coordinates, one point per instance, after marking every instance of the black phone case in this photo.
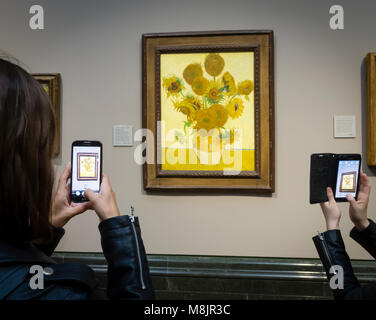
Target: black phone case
(323, 175)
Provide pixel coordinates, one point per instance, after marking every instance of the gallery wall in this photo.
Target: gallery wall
(319, 73)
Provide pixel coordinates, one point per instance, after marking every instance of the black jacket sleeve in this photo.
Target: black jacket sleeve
(366, 238)
(49, 247)
(331, 249)
(128, 271)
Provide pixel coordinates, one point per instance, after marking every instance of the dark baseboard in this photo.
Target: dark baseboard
(213, 277)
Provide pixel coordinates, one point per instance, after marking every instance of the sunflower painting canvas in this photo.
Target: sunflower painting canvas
(202, 102)
(207, 112)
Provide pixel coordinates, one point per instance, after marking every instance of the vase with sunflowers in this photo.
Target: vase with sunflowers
(208, 97)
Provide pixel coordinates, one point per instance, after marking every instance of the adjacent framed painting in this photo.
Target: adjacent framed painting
(208, 102)
(51, 84)
(371, 109)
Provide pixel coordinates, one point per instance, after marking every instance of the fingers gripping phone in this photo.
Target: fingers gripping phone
(338, 171)
(86, 168)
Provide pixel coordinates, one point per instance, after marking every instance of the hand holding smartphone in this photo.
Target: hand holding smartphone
(86, 168)
(337, 171)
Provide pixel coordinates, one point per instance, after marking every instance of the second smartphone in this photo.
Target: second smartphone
(86, 168)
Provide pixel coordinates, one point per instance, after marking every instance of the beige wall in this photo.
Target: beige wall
(319, 73)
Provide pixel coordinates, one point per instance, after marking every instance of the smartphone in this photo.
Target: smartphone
(338, 171)
(86, 168)
(347, 182)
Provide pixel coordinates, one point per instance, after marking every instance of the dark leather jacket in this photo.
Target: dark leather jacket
(128, 271)
(331, 249)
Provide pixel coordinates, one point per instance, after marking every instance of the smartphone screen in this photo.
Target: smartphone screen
(86, 168)
(347, 178)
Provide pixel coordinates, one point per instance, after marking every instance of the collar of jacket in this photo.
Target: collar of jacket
(25, 252)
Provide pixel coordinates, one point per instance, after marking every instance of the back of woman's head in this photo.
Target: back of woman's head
(27, 131)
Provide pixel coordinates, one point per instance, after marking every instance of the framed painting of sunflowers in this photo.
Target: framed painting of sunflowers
(208, 101)
(51, 84)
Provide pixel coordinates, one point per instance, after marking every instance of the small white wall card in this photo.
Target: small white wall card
(344, 126)
(122, 136)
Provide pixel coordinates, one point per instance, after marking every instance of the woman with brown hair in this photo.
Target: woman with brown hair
(31, 220)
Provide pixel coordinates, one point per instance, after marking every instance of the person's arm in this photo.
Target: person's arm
(128, 271)
(332, 253)
(364, 231)
(62, 211)
(366, 237)
(333, 256)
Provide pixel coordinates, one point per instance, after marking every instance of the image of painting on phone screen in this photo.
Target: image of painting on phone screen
(87, 164)
(347, 178)
(86, 169)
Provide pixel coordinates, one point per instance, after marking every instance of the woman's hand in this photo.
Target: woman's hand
(331, 211)
(62, 208)
(358, 208)
(104, 203)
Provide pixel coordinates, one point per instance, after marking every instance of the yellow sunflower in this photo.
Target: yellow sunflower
(235, 108)
(191, 72)
(221, 114)
(188, 106)
(195, 103)
(205, 119)
(200, 85)
(229, 83)
(245, 87)
(184, 108)
(214, 64)
(214, 91)
(172, 85)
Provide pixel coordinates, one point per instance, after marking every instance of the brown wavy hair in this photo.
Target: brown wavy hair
(27, 130)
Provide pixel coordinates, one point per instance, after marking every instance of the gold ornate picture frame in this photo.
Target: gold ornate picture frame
(195, 79)
(51, 83)
(371, 109)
